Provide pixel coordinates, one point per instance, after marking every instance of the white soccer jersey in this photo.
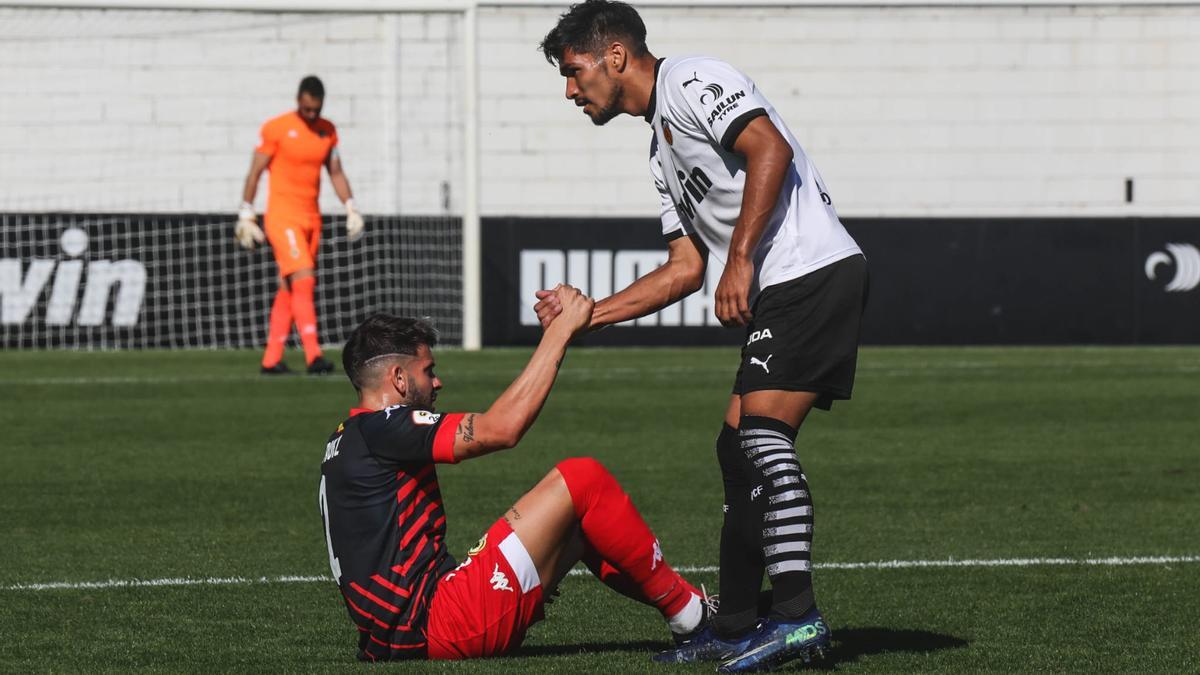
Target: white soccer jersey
(697, 109)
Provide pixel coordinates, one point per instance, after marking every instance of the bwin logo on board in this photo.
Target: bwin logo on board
(20, 289)
(1186, 260)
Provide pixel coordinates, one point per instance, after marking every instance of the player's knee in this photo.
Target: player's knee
(585, 468)
(585, 477)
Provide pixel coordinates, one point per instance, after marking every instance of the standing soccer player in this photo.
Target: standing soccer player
(294, 146)
(735, 185)
(385, 526)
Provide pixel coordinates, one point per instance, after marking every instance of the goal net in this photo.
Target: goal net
(175, 281)
(134, 131)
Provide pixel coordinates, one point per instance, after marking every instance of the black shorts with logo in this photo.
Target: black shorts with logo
(804, 334)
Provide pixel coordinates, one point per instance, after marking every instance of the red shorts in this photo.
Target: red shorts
(294, 239)
(485, 606)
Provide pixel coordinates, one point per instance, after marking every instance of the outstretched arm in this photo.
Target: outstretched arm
(680, 276)
(507, 420)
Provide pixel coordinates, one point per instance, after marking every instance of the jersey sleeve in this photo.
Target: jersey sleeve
(268, 140)
(672, 225)
(402, 434)
(720, 100)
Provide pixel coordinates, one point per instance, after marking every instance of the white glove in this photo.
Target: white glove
(354, 222)
(247, 232)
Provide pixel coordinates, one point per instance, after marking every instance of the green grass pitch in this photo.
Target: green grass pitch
(119, 466)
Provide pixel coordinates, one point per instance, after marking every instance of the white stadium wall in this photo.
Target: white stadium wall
(908, 111)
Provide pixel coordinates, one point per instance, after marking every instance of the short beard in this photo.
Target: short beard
(610, 109)
(419, 400)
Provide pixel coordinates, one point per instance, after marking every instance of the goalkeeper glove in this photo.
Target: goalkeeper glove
(247, 232)
(354, 222)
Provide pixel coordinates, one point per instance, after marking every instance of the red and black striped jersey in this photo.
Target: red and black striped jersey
(385, 527)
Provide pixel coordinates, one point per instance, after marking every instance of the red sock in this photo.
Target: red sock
(281, 327)
(306, 316)
(616, 532)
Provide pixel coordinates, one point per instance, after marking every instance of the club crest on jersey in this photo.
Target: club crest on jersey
(475, 550)
(764, 334)
(666, 127)
(499, 581)
(425, 418)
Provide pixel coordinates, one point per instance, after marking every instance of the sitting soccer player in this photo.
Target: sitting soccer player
(385, 528)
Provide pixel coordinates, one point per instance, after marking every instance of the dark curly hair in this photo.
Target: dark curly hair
(588, 27)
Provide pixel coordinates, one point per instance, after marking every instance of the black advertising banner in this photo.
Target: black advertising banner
(1018, 281)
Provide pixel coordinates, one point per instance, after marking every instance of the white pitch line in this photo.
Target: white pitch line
(686, 569)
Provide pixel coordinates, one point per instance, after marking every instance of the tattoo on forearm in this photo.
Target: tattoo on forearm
(515, 514)
(466, 428)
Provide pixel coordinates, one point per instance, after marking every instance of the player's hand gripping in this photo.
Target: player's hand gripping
(548, 306)
(354, 221)
(575, 310)
(733, 292)
(247, 232)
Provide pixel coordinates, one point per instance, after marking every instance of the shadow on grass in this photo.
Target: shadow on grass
(851, 643)
(648, 646)
(848, 645)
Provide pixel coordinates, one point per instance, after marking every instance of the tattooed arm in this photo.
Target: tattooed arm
(507, 420)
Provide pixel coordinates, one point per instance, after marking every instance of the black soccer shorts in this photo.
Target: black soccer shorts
(805, 333)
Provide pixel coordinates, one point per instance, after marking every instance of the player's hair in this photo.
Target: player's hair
(312, 86)
(384, 335)
(591, 26)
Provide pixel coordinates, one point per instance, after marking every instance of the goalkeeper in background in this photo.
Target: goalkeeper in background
(294, 146)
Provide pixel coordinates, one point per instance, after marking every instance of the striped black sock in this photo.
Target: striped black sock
(783, 507)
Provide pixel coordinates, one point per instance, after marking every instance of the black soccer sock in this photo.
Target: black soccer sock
(741, 551)
(783, 509)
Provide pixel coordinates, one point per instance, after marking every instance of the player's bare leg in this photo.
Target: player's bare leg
(579, 510)
(777, 525)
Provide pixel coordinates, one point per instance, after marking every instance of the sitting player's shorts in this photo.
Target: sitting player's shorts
(485, 606)
(294, 238)
(804, 334)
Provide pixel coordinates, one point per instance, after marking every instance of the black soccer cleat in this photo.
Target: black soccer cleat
(704, 646)
(320, 366)
(778, 641)
(279, 368)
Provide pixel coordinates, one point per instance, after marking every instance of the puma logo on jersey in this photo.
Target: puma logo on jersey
(755, 362)
(757, 335)
(658, 556)
(499, 581)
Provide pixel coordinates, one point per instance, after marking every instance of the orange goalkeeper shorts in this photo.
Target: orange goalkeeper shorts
(294, 239)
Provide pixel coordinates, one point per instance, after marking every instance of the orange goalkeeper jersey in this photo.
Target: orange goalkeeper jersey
(297, 154)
